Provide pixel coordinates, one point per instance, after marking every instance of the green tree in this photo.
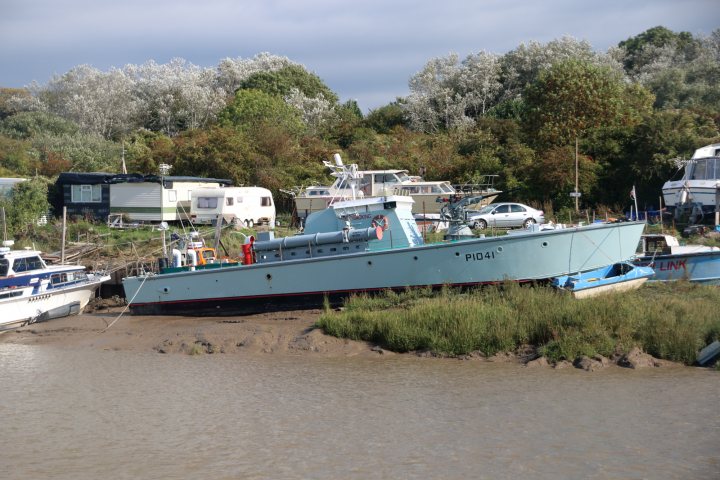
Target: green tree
(639, 49)
(16, 157)
(25, 204)
(30, 124)
(253, 108)
(553, 175)
(216, 152)
(281, 82)
(385, 119)
(572, 98)
(7, 105)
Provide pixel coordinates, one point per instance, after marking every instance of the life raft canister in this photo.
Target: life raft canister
(380, 221)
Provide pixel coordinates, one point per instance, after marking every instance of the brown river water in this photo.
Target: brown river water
(91, 414)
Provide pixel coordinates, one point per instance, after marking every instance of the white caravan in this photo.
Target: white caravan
(245, 206)
(166, 199)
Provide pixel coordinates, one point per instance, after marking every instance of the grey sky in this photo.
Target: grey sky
(364, 49)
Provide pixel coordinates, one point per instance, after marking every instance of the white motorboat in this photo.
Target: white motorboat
(697, 193)
(31, 291)
(352, 183)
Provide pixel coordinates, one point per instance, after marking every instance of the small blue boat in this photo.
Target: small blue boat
(672, 261)
(617, 277)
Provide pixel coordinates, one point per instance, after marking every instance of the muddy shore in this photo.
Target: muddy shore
(279, 333)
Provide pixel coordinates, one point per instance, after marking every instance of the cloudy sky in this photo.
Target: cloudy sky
(364, 49)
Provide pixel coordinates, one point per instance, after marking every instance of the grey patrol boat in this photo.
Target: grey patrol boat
(370, 245)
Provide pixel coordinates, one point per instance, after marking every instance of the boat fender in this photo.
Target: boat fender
(192, 257)
(380, 221)
(176, 258)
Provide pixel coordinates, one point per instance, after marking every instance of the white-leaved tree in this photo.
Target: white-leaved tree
(315, 112)
(177, 95)
(521, 66)
(480, 81)
(680, 70)
(435, 100)
(231, 72)
(101, 103)
(168, 97)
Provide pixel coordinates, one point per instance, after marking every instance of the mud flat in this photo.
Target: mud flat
(277, 333)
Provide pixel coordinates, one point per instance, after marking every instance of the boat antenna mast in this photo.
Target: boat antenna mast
(346, 174)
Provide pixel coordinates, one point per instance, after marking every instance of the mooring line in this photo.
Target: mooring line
(126, 306)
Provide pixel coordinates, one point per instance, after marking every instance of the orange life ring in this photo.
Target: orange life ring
(380, 221)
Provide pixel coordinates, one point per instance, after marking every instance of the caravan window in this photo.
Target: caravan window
(266, 201)
(207, 202)
(229, 201)
(172, 195)
(86, 193)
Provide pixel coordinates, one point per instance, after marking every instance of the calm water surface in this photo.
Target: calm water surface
(86, 414)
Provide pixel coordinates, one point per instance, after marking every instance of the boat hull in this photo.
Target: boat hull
(624, 286)
(702, 267)
(619, 277)
(304, 283)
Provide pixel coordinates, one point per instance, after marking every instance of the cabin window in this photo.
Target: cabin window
(25, 264)
(11, 294)
(172, 195)
(4, 267)
(706, 169)
(385, 178)
(365, 184)
(86, 193)
(229, 201)
(58, 278)
(266, 202)
(207, 202)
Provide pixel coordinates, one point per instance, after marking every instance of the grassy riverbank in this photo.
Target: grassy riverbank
(671, 322)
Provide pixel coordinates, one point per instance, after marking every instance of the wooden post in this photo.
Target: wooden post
(218, 233)
(4, 225)
(64, 230)
(577, 199)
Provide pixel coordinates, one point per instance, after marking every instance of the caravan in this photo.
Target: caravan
(157, 199)
(241, 206)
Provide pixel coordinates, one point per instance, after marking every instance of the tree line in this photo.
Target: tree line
(634, 110)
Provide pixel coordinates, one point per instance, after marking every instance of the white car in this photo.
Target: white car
(505, 215)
